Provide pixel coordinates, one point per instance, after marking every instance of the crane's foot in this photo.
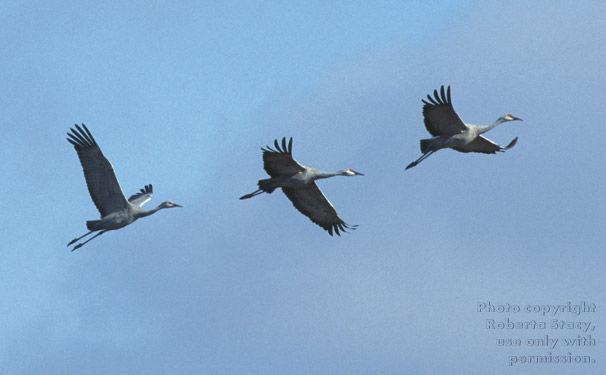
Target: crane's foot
(77, 246)
(253, 194)
(72, 241)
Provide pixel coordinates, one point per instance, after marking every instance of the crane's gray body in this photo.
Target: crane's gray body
(457, 140)
(120, 219)
(113, 221)
(304, 177)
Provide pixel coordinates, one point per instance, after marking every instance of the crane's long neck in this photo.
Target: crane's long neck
(143, 213)
(484, 129)
(321, 174)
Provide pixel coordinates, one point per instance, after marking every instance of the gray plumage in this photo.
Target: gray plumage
(450, 131)
(116, 211)
(298, 184)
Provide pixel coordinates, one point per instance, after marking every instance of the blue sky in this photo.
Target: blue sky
(184, 95)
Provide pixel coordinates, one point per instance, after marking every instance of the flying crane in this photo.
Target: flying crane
(298, 183)
(449, 131)
(116, 211)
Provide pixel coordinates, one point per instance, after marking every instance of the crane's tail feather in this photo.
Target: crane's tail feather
(425, 143)
(90, 224)
(267, 185)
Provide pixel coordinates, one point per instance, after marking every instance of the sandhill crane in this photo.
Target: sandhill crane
(449, 131)
(116, 211)
(298, 183)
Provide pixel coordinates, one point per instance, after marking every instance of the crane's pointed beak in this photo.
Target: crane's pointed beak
(510, 117)
(358, 173)
(177, 205)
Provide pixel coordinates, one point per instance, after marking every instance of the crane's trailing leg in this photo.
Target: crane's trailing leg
(423, 157)
(79, 238)
(87, 241)
(253, 194)
(267, 185)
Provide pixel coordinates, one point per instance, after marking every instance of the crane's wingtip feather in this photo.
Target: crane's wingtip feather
(511, 144)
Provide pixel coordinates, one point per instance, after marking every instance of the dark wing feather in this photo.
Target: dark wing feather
(279, 162)
(440, 117)
(100, 178)
(142, 197)
(485, 146)
(310, 201)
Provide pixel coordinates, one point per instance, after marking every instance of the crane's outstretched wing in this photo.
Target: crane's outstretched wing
(142, 197)
(310, 201)
(440, 116)
(279, 162)
(100, 178)
(485, 146)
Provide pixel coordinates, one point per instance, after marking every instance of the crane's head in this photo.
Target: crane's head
(169, 204)
(509, 117)
(351, 172)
